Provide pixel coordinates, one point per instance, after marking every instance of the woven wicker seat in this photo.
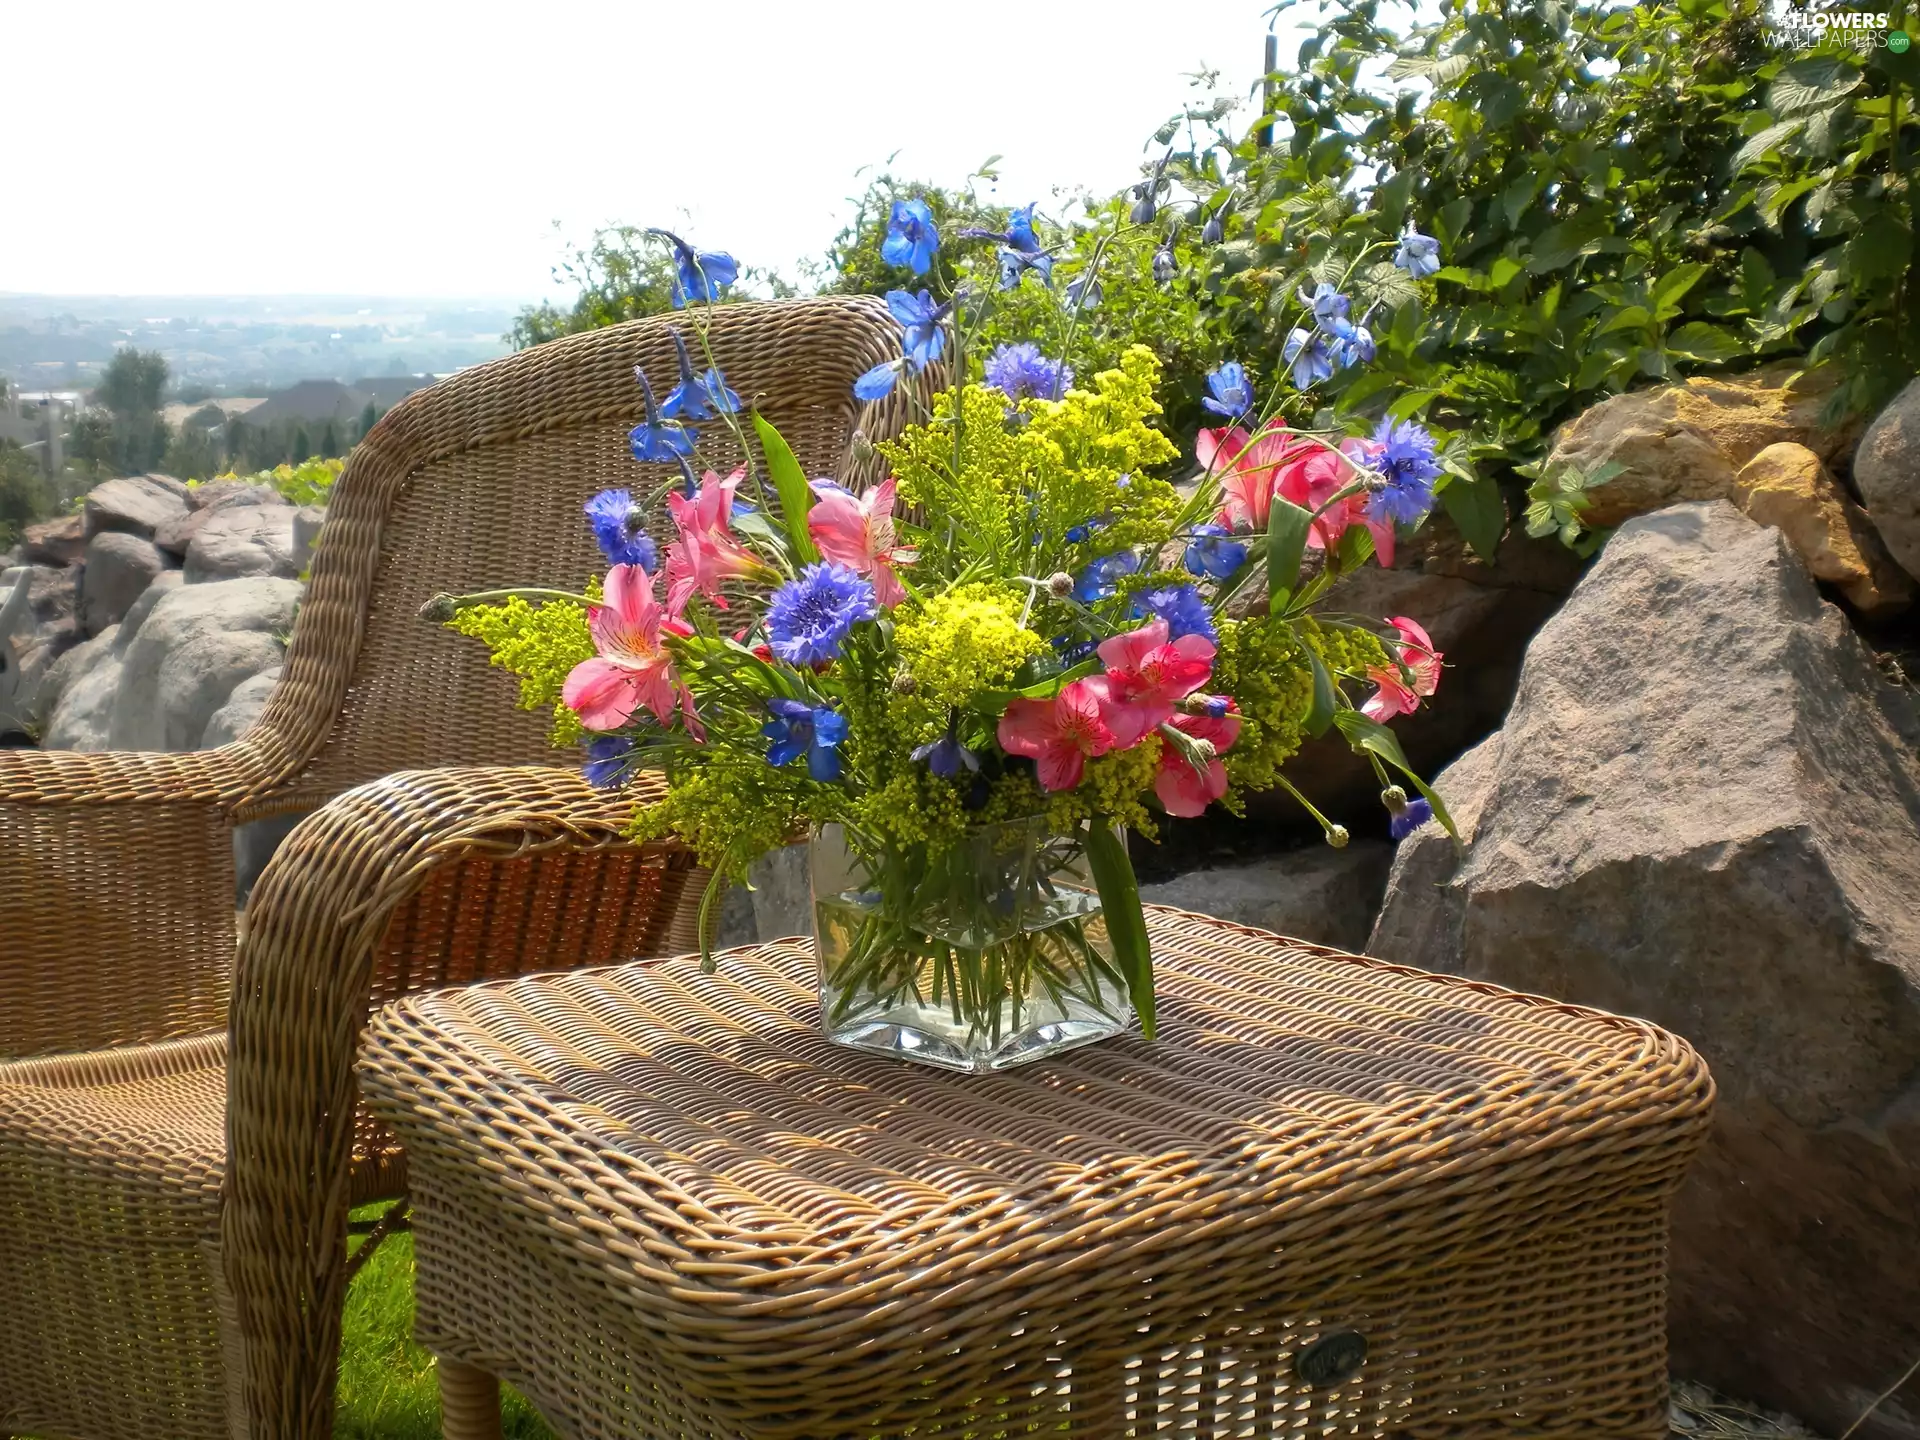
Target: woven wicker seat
(1333, 1197)
(117, 929)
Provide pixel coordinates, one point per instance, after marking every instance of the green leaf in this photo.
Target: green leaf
(1287, 526)
(1758, 147)
(1811, 84)
(1879, 251)
(1370, 735)
(1323, 706)
(1701, 341)
(1633, 317)
(1410, 403)
(1504, 269)
(1474, 504)
(790, 483)
(1672, 288)
(1126, 925)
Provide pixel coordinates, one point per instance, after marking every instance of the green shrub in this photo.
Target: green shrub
(308, 483)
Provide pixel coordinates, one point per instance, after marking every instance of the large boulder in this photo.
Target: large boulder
(56, 542)
(1886, 469)
(204, 502)
(1787, 487)
(134, 505)
(1704, 809)
(118, 570)
(195, 648)
(236, 541)
(79, 693)
(1317, 894)
(243, 707)
(37, 626)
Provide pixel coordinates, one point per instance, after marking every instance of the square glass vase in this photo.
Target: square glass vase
(991, 953)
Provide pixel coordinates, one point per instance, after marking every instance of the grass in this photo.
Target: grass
(387, 1386)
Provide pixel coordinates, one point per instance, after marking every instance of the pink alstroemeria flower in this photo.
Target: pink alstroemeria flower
(1181, 788)
(1247, 467)
(633, 670)
(1146, 676)
(1395, 696)
(1060, 735)
(706, 552)
(857, 531)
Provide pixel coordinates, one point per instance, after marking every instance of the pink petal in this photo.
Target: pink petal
(1181, 789)
(1223, 445)
(887, 588)
(1414, 631)
(1027, 728)
(1125, 652)
(839, 528)
(601, 693)
(1060, 767)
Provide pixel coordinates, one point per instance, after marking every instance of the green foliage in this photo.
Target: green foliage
(854, 265)
(25, 495)
(308, 483)
(1557, 500)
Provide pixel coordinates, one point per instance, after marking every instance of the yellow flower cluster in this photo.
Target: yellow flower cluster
(1113, 787)
(964, 641)
(913, 807)
(539, 643)
(731, 810)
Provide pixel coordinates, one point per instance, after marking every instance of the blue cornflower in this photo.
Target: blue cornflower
(697, 396)
(1212, 554)
(1327, 304)
(1418, 255)
(1084, 296)
(698, 274)
(1409, 818)
(1181, 607)
(607, 761)
(919, 317)
(1216, 706)
(1020, 370)
(808, 619)
(1229, 390)
(947, 755)
(658, 441)
(1015, 264)
(1101, 579)
(911, 239)
(814, 731)
(619, 525)
(1407, 460)
(1307, 353)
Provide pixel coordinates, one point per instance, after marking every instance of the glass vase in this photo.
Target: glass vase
(990, 953)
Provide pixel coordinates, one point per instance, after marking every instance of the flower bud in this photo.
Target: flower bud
(1203, 748)
(1337, 837)
(1060, 584)
(1164, 265)
(1215, 230)
(439, 609)
(1394, 798)
(904, 683)
(860, 447)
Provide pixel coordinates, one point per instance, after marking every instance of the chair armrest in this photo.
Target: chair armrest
(418, 879)
(222, 777)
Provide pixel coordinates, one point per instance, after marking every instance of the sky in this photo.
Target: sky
(426, 149)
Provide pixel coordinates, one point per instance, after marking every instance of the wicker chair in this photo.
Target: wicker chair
(117, 926)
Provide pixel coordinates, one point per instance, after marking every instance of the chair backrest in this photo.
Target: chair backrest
(477, 483)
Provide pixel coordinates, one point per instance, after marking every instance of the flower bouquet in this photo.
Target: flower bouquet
(968, 683)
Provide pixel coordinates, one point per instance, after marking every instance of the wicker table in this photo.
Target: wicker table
(1334, 1197)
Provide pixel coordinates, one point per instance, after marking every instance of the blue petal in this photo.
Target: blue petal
(823, 764)
(878, 382)
(908, 308)
(896, 249)
(829, 726)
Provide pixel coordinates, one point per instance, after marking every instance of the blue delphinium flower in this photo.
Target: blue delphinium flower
(607, 761)
(1020, 234)
(1229, 390)
(919, 317)
(1180, 606)
(698, 274)
(1407, 460)
(1086, 529)
(814, 731)
(1084, 296)
(1014, 265)
(1327, 304)
(1418, 255)
(619, 525)
(1352, 344)
(658, 441)
(1020, 370)
(1307, 353)
(1409, 818)
(697, 396)
(1101, 579)
(911, 239)
(946, 756)
(878, 383)
(1215, 229)
(1213, 554)
(808, 619)
(1165, 265)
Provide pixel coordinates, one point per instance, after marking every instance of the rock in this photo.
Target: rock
(79, 694)
(134, 505)
(1786, 486)
(119, 567)
(187, 656)
(1318, 894)
(243, 707)
(1687, 441)
(1705, 809)
(236, 541)
(1886, 469)
(307, 521)
(203, 502)
(54, 542)
(37, 626)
